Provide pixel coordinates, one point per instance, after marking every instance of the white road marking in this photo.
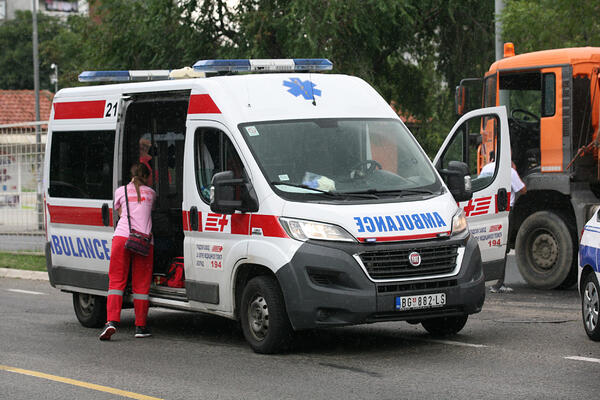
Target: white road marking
(448, 342)
(453, 343)
(25, 291)
(588, 359)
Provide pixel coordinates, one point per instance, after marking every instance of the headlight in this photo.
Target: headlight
(303, 230)
(459, 222)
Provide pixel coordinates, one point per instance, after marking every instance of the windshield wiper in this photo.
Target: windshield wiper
(399, 192)
(300, 185)
(365, 195)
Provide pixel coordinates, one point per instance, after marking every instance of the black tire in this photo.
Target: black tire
(545, 251)
(590, 306)
(445, 326)
(263, 316)
(90, 309)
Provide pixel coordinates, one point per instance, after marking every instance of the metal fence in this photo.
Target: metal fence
(21, 199)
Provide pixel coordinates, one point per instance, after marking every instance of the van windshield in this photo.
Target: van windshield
(341, 158)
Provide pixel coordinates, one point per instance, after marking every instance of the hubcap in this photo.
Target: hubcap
(258, 317)
(86, 303)
(590, 306)
(544, 251)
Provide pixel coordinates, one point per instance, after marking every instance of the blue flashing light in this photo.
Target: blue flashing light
(313, 64)
(123, 76)
(264, 65)
(104, 76)
(222, 65)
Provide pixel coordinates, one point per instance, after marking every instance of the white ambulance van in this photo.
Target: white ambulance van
(298, 199)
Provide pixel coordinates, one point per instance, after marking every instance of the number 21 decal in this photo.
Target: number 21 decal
(111, 110)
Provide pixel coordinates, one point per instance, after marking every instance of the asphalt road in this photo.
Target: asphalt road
(517, 347)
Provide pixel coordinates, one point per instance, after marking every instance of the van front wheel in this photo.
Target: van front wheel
(445, 326)
(264, 318)
(90, 309)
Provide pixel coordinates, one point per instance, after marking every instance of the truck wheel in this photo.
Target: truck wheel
(444, 326)
(590, 306)
(544, 250)
(264, 319)
(90, 309)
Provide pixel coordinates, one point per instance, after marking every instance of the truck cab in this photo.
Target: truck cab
(552, 100)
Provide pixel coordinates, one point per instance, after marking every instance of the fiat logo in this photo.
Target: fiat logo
(414, 258)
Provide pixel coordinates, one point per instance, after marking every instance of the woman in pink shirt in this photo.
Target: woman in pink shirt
(141, 201)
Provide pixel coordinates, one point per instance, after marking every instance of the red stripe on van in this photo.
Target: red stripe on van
(405, 237)
(240, 224)
(186, 220)
(77, 215)
(79, 109)
(202, 104)
(269, 224)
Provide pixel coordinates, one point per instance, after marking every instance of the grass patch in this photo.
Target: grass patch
(31, 262)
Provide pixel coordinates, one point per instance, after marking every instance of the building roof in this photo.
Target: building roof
(19, 106)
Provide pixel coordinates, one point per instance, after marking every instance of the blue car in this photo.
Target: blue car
(589, 275)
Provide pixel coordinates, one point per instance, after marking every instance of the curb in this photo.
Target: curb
(23, 274)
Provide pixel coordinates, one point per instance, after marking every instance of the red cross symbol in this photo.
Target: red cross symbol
(478, 206)
(216, 222)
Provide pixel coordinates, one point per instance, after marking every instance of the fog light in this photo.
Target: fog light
(322, 314)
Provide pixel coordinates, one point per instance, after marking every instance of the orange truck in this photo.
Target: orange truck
(552, 99)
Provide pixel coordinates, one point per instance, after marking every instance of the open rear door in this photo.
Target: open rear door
(481, 139)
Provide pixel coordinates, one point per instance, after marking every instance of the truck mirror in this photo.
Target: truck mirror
(229, 194)
(460, 100)
(467, 96)
(458, 179)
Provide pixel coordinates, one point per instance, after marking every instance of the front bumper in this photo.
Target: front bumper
(323, 286)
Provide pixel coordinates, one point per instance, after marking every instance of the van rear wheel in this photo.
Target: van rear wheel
(90, 309)
(264, 318)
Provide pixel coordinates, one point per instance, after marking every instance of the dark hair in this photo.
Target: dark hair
(139, 173)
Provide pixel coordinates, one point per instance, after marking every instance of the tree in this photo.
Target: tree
(16, 50)
(131, 34)
(548, 24)
(455, 40)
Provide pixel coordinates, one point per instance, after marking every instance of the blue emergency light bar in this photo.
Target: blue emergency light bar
(264, 65)
(124, 76)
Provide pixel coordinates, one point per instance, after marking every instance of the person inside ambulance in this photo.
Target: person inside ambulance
(141, 199)
(145, 157)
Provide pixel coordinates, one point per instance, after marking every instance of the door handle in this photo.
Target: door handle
(502, 199)
(105, 214)
(194, 218)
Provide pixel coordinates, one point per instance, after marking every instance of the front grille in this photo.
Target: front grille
(394, 264)
(412, 286)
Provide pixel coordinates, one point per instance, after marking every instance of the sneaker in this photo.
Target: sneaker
(142, 332)
(109, 329)
(500, 289)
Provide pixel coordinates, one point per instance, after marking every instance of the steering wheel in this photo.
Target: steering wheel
(364, 169)
(526, 118)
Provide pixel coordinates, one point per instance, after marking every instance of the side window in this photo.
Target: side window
(548, 95)
(475, 143)
(81, 164)
(214, 153)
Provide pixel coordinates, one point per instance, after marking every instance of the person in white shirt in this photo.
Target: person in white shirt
(517, 188)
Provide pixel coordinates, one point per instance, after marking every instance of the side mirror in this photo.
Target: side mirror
(229, 194)
(475, 139)
(460, 100)
(458, 179)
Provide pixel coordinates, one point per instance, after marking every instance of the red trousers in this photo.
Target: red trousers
(117, 280)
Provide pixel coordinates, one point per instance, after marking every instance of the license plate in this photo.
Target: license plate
(420, 301)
